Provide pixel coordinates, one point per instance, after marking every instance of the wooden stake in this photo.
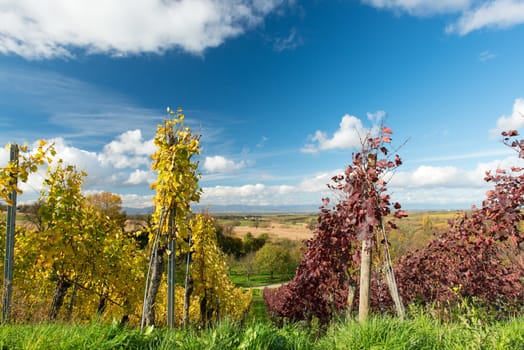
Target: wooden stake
(393, 290)
(365, 280)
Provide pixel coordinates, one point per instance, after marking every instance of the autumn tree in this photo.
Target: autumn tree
(109, 204)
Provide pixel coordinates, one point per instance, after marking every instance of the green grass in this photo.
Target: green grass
(420, 332)
(258, 310)
(258, 280)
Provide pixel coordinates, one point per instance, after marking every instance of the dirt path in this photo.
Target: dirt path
(276, 285)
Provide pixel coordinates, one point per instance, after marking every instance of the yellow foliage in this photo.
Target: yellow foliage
(19, 169)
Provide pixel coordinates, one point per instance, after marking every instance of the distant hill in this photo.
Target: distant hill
(237, 208)
(287, 209)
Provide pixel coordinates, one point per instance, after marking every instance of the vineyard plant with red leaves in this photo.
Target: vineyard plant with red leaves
(479, 257)
(329, 266)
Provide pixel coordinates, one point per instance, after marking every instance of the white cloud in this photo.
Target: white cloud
(130, 142)
(426, 176)
(491, 14)
(473, 14)
(139, 177)
(220, 164)
(121, 164)
(128, 150)
(257, 194)
(421, 7)
(54, 28)
(509, 122)
(253, 194)
(349, 135)
(4, 155)
(137, 201)
(431, 177)
(317, 183)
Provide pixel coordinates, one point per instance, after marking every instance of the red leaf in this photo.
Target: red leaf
(400, 214)
(386, 139)
(386, 130)
(382, 164)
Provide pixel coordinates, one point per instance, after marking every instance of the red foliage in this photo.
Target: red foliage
(319, 288)
(475, 256)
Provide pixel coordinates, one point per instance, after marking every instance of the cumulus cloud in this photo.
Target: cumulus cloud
(220, 164)
(430, 187)
(251, 194)
(348, 135)
(54, 28)
(509, 122)
(491, 14)
(137, 201)
(4, 155)
(450, 177)
(317, 183)
(128, 150)
(426, 176)
(123, 162)
(139, 177)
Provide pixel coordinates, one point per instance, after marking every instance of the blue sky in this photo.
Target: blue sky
(280, 91)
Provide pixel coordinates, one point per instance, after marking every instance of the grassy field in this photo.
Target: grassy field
(379, 333)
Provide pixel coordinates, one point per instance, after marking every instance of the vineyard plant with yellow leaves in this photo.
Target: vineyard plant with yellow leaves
(79, 263)
(176, 234)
